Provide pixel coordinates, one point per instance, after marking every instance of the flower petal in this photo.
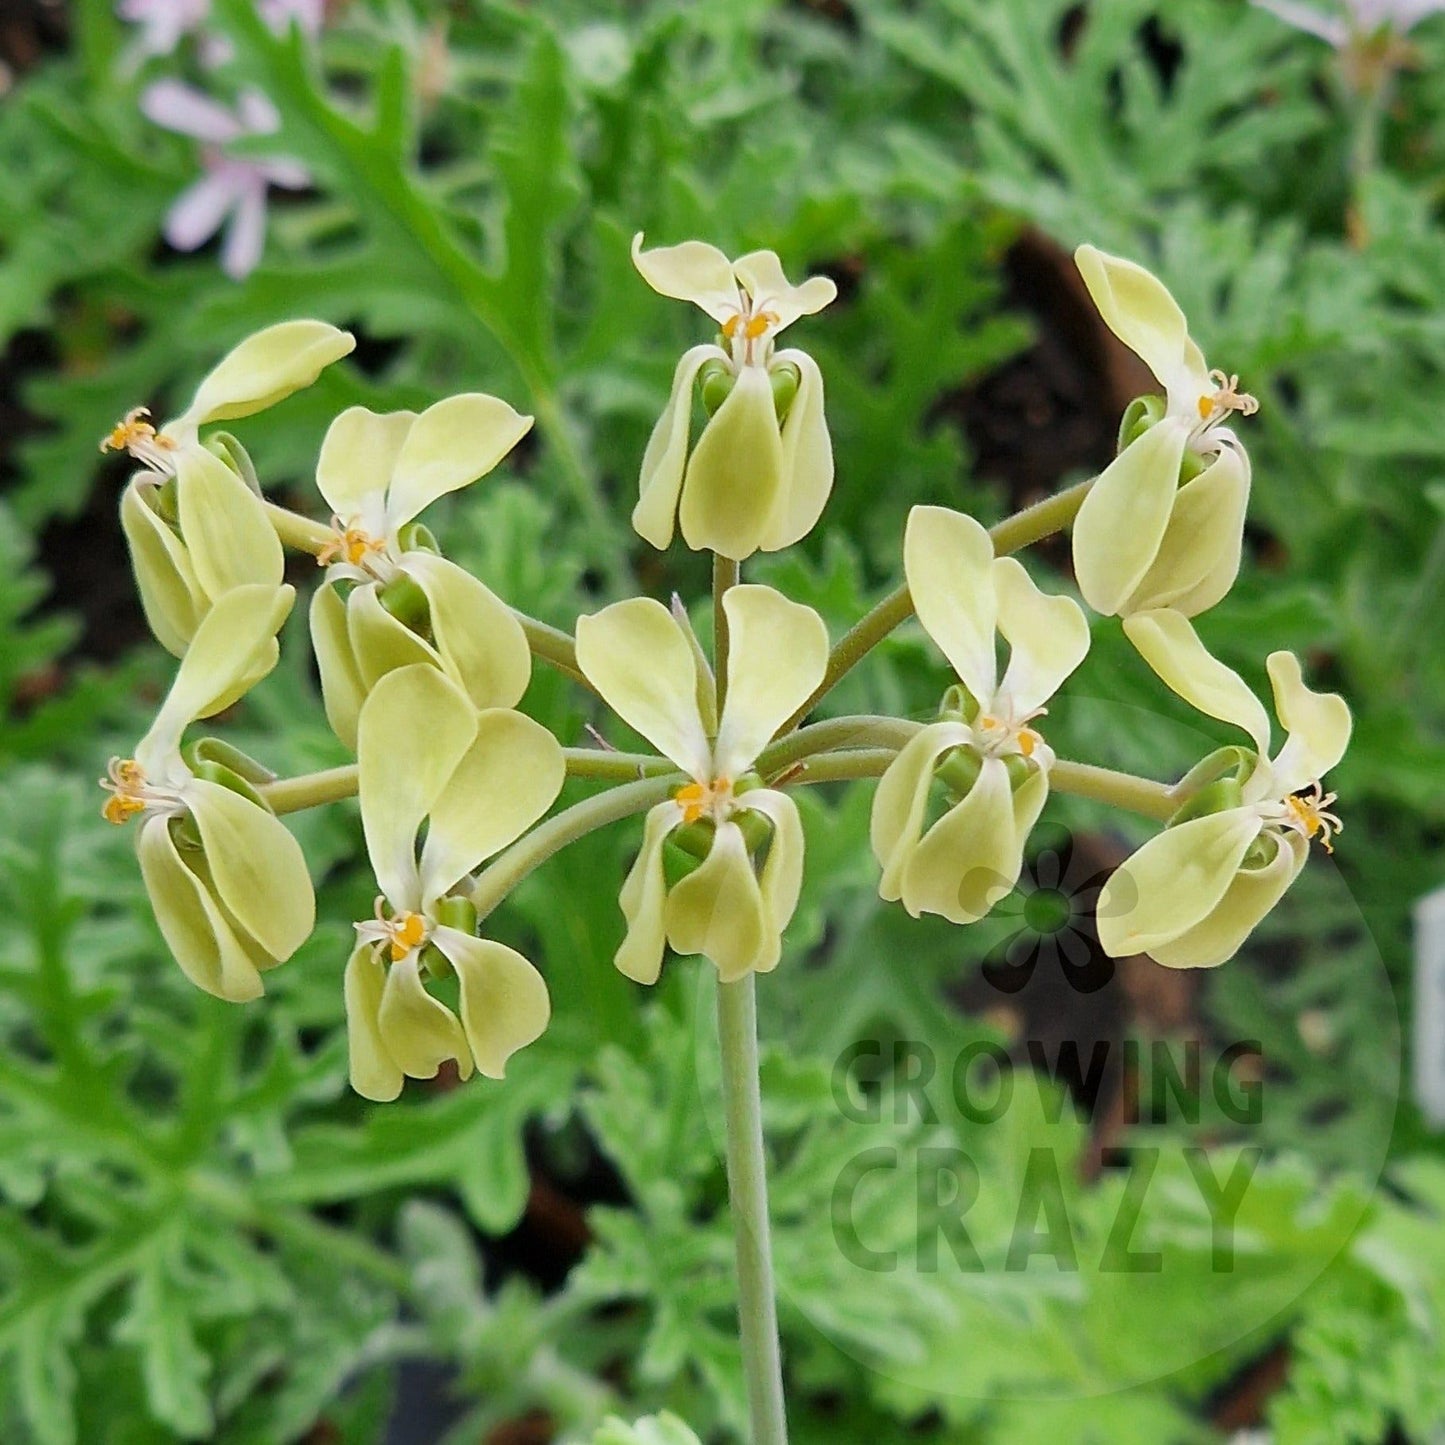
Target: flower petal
(1173, 882)
(224, 524)
(380, 642)
(170, 596)
(245, 241)
(504, 782)
(1198, 556)
(201, 209)
(415, 728)
(762, 274)
(357, 458)
(504, 1003)
(481, 643)
(637, 657)
(643, 898)
(1121, 524)
(265, 368)
(1137, 307)
(717, 910)
(419, 1032)
(971, 857)
(692, 271)
(777, 655)
(1048, 636)
(1318, 725)
(663, 463)
(342, 688)
(1250, 895)
(236, 638)
(901, 802)
(450, 445)
(1168, 642)
(948, 560)
(198, 935)
(735, 474)
(188, 111)
(781, 881)
(374, 1074)
(807, 458)
(259, 869)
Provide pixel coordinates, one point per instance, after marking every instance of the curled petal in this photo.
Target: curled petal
(901, 803)
(230, 539)
(195, 929)
(173, 601)
(663, 463)
(380, 642)
(415, 728)
(1250, 895)
(971, 857)
(481, 643)
(635, 654)
(342, 688)
(1198, 557)
(504, 1003)
(266, 368)
(770, 290)
(643, 897)
(1048, 636)
(735, 474)
(374, 1074)
(1173, 882)
(948, 560)
(419, 1032)
(357, 458)
(258, 867)
(1138, 309)
(1167, 641)
(1318, 725)
(1121, 525)
(807, 458)
(781, 882)
(504, 782)
(777, 655)
(449, 446)
(234, 646)
(717, 910)
(692, 271)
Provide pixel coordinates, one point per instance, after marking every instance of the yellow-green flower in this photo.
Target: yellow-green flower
(227, 881)
(403, 603)
(1191, 896)
(1164, 524)
(194, 527)
(637, 655)
(966, 861)
(752, 481)
(477, 780)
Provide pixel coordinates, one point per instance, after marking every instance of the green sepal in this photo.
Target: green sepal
(213, 772)
(1261, 853)
(682, 855)
(1019, 769)
(418, 537)
(459, 913)
(1141, 413)
(959, 770)
(162, 501)
(1232, 761)
(958, 705)
(785, 379)
(229, 449)
(1216, 797)
(407, 603)
(715, 381)
(227, 755)
(436, 963)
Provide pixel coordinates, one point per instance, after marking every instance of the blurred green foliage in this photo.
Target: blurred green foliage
(203, 1235)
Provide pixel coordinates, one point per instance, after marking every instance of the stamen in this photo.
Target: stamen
(1226, 399)
(998, 735)
(134, 434)
(702, 799)
(349, 544)
(402, 933)
(1306, 812)
(125, 781)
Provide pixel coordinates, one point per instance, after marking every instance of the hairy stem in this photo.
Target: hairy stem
(862, 731)
(619, 767)
(1032, 524)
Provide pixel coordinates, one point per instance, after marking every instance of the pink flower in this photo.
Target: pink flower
(232, 193)
(164, 23)
(1353, 19)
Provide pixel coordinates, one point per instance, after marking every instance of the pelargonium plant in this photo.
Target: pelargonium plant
(423, 669)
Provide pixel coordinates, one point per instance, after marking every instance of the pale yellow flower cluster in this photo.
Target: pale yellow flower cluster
(423, 668)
